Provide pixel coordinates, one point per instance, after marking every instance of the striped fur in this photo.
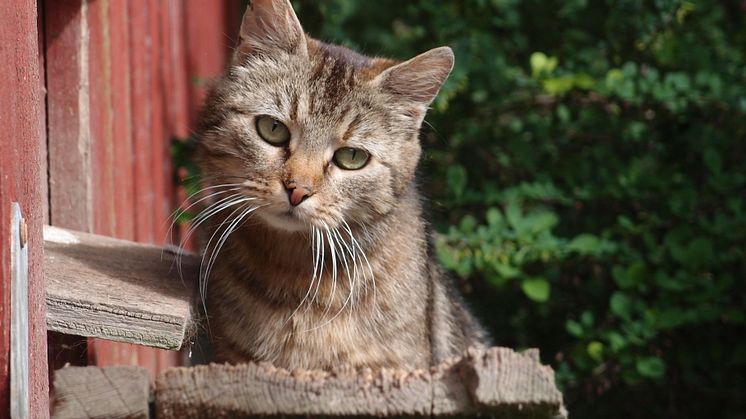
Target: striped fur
(346, 276)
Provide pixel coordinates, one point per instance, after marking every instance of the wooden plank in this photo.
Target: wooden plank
(174, 68)
(22, 178)
(111, 392)
(68, 126)
(497, 381)
(116, 289)
(67, 58)
(142, 115)
(208, 47)
(162, 145)
(122, 166)
(147, 118)
(102, 145)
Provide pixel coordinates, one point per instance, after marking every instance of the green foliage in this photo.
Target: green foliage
(586, 174)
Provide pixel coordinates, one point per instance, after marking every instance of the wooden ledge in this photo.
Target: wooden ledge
(113, 289)
(498, 381)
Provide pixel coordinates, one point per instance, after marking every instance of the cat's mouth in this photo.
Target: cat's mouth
(286, 219)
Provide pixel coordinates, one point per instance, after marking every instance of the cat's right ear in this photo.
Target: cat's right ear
(269, 26)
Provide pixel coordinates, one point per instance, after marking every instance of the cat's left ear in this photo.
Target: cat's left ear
(419, 79)
(269, 26)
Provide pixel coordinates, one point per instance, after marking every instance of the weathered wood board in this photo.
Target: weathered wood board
(498, 381)
(23, 168)
(92, 392)
(116, 289)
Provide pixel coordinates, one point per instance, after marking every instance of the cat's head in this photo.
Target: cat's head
(311, 132)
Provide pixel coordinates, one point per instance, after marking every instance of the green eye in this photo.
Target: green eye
(351, 158)
(272, 130)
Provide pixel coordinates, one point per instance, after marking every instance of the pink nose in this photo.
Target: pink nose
(298, 194)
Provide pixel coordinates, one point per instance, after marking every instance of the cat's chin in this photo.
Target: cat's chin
(284, 222)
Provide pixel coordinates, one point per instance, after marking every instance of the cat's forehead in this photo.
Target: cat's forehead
(331, 83)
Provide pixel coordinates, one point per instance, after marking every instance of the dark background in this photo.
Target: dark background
(585, 170)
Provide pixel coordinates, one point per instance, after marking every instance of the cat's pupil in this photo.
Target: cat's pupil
(274, 125)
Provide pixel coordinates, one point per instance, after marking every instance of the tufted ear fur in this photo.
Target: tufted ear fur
(419, 79)
(269, 26)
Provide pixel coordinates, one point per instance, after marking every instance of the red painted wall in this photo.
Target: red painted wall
(122, 79)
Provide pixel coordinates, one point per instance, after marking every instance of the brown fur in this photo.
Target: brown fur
(395, 307)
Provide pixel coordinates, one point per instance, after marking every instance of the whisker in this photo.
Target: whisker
(355, 243)
(202, 280)
(349, 296)
(182, 209)
(314, 242)
(333, 250)
(322, 250)
(222, 240)
(219, 206)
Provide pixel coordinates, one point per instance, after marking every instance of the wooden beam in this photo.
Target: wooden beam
(497, 381)
(116, 289)
(23, 179)
(111, 392)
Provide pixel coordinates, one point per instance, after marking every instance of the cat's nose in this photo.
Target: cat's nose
(297, 193)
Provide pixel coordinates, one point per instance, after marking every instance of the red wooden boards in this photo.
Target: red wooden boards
(124, 79)
(22, 179)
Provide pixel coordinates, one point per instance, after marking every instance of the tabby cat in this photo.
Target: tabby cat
(318, 254)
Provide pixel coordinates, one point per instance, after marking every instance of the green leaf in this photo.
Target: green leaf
(620, 305)
(537, 289)
(494, 217)
(595, 350)
(558, 85)
(541, 221)
(184, 217)
(468, 224)
(574, 328)
(541, 64)
(506, 271)
(587, 318)
(616, 341)
(584, 244)
(651, 367)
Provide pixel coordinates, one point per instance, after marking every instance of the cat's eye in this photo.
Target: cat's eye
(272, 130)
(351, 158)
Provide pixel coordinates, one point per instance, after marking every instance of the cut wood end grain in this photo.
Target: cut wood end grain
(92, 392)
(498, 381)
(119, 290)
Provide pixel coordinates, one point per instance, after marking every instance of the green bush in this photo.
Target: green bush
(586, 173)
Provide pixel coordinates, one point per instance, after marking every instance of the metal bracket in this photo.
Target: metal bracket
(19, 343)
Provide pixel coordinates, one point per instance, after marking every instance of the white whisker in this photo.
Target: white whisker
(223, 239)
(322, 250)
(202, 266)
(219, 206)
(355, 243)
(314, 242)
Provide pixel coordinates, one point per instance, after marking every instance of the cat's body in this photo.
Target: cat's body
(325, 259)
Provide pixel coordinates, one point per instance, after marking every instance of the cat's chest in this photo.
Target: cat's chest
(327, 339)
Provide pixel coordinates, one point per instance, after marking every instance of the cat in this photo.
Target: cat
(317, 253)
